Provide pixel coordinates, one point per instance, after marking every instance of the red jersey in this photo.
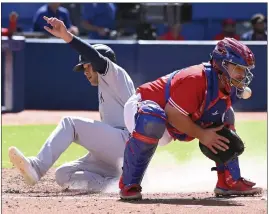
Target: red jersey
(186, 93)
(169, 36)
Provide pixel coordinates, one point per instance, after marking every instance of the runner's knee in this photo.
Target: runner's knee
(63, 174)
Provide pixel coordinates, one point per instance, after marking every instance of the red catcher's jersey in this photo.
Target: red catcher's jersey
(186, 93)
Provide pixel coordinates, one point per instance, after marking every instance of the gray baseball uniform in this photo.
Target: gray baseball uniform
(104, 140)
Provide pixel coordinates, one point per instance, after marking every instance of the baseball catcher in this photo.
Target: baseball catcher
(194, 102)
(104, 140)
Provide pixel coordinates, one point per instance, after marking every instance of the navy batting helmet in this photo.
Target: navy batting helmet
(104, 50)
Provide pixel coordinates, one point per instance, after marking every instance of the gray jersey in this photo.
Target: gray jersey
(105, 143)
(114, 89)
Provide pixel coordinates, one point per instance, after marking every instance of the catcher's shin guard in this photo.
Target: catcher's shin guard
(230, 181)
(149, 128)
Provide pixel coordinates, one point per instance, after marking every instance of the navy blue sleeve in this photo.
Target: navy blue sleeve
(99, 63)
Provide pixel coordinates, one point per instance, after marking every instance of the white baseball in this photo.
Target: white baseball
(246, 93)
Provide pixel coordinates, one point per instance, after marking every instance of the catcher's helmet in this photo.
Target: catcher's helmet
(104, 50)
(230, 50)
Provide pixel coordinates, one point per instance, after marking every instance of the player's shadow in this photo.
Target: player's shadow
(187, 201)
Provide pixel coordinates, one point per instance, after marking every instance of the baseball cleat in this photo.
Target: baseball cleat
(226, 192)
(242, 187)
(227, 186)
(131, 192)
(23, 165)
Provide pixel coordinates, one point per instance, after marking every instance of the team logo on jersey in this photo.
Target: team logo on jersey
(101, 99)
(215, 113)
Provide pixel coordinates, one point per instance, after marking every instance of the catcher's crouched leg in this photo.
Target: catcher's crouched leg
(150, 123)
(230, 181)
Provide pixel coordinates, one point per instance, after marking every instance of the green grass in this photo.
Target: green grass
(29, 140)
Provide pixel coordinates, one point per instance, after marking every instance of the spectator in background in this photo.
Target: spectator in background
(98, 19)
(145, 31)
(174, 33)
(53, 10)
(228, 30)
(12, 26)
(259, 29)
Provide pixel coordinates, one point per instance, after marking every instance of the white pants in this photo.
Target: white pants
(130, 109)
(93, 171)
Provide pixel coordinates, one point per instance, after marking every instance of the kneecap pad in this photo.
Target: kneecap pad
(150, 121)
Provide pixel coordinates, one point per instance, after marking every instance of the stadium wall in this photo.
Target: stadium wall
(43, 76)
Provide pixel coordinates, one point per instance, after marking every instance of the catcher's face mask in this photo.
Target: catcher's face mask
(239, 76)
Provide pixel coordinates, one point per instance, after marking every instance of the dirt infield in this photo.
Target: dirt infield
(48, 197)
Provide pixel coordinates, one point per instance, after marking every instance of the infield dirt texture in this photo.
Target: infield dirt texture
(171, 189)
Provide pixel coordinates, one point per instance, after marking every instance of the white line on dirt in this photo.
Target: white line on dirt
(59, 197)
(116, 198)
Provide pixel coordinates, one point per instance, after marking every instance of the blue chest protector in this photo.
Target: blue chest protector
(211, 113)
